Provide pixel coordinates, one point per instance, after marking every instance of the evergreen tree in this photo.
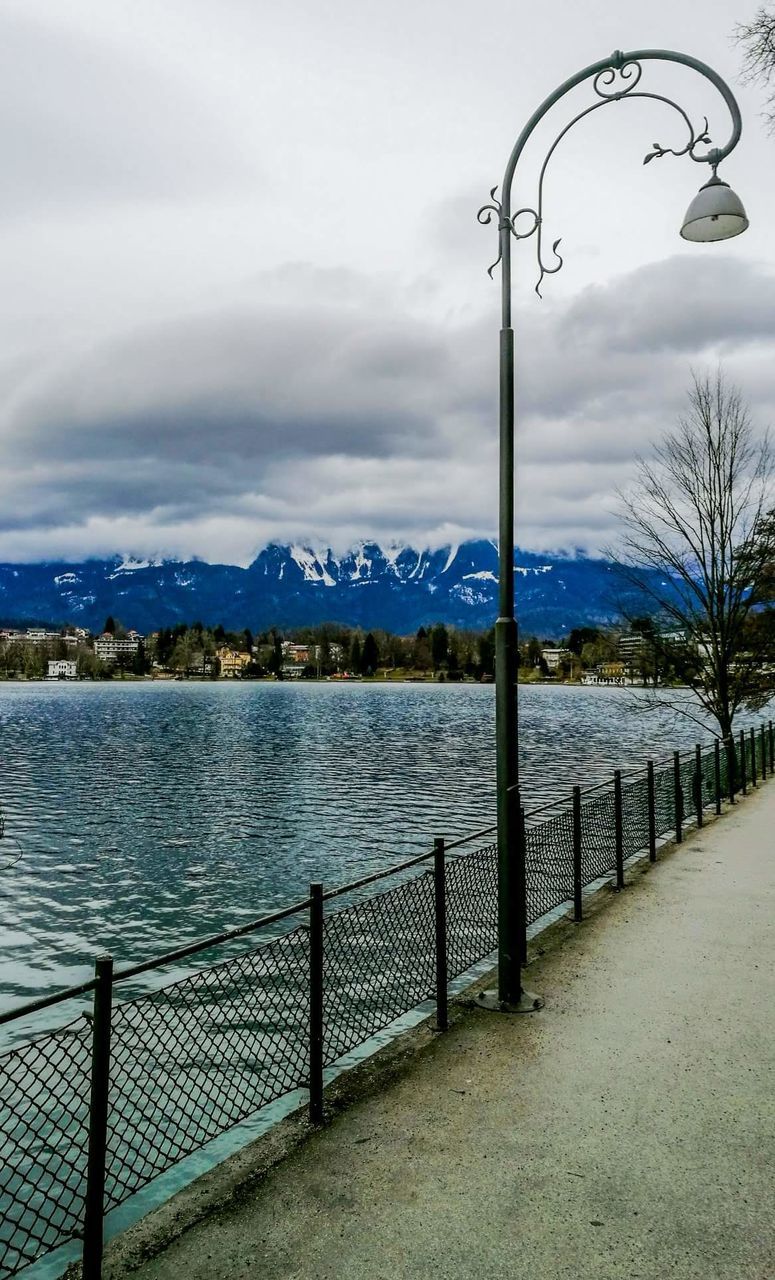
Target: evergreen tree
(356, 656)
(370, 656)
(487, 653)
(439, 645)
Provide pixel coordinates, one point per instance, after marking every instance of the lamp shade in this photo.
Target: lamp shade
(715, 213)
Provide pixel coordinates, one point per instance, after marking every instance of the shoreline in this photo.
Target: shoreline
(307, 680)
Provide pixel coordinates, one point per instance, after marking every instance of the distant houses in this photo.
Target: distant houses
(39, 636)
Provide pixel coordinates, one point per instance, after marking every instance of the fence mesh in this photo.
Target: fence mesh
(193, 1058)
(379, 962)
(548, 865)
(196, 1057)
(472, 908)
(44, 1126)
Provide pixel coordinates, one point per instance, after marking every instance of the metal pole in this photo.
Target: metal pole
(618, 829)
(753, 756)
(743, 786)
(698, 782)
(510, 890)
(763, 753)
(772, 746)
(440, 906)
(717, 773)
(731, 778)
(652, 809)
(577, 903)
(522, 885)
(678, 797)
(316, 1004)
(98, 1120)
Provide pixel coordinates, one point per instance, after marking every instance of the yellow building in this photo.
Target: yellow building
(232, 662)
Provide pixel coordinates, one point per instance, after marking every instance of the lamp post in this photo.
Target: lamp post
(715, 213)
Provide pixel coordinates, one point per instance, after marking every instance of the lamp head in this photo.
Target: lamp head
(715, 213)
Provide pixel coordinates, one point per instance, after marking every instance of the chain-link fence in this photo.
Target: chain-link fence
(92, 1112)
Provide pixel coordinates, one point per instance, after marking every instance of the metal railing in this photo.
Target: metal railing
(92, 1112)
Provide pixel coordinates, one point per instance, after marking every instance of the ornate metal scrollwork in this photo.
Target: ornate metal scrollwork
(484, 216)
(694, 141)
(625, 75)
(614, 83)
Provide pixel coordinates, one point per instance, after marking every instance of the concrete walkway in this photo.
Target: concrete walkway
(627, 1130)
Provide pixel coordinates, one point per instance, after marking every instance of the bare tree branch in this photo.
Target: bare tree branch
(697, 516)
(757, 38)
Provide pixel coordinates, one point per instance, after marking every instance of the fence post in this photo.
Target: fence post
(652, 811)
(678, 797)
(577, 904)
(731, 779)
(440, 905)
(698, 782)
(743, 787)
(619, 829)
(98, 1120)
(717, 773)
(523, 881)
(763, 753)
(772, 745)
(753, 756)
(316, 1003)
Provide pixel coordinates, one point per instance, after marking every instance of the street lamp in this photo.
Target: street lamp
(715, 213)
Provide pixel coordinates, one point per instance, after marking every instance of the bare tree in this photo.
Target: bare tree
(697, 514)
(757, 38)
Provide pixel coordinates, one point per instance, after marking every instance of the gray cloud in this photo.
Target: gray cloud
(331, 422)
(170, 382)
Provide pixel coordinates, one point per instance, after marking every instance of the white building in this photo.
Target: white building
(37, 635)
(110, 648)
(553, 657)
(62, 669)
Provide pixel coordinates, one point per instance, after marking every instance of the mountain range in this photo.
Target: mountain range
(398, 589)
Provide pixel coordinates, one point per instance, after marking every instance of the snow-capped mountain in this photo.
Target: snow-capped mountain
(397, 588)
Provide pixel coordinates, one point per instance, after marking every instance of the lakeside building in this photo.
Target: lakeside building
(62, 669)
(109, 648)
(39, 636)
(232, 661)
(298, 656)
(611, 673)
(633, 647)
(553, 657)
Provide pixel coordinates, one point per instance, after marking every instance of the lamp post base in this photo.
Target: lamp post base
(528, 1002)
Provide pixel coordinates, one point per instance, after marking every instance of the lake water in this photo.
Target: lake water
(149, 815)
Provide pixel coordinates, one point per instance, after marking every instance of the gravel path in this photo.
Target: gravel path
(627, 1130)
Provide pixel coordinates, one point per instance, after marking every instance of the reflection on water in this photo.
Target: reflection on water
(153, 814)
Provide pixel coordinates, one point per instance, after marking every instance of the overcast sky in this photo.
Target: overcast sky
(244, 292)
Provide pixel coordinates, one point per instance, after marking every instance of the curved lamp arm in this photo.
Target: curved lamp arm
(614, 78)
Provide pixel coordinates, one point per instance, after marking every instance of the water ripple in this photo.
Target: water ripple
(153, 814)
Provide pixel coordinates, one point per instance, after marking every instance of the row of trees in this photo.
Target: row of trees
(192, 650)
(699, 515)
(332, 649)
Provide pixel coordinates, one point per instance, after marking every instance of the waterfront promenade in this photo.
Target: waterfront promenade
(627, 1130)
